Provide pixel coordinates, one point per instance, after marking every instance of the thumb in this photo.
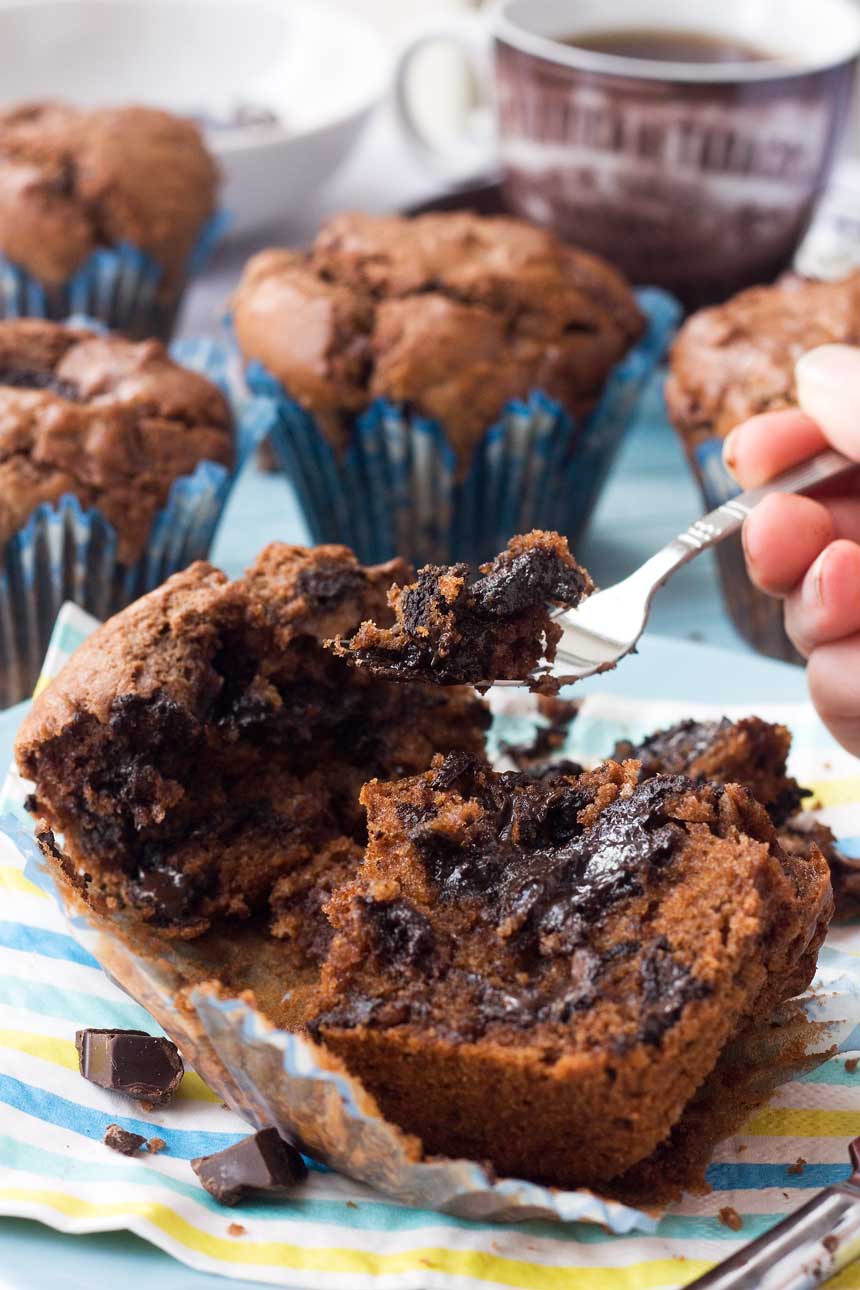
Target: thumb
(828, 390)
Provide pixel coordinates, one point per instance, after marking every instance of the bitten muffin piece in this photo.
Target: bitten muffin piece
(736, 359)
(542, 975)
(751, 752)
(452, 313)
(72, 181)
(104, 418)
(458, 625)
(202, 753)
(754, 753)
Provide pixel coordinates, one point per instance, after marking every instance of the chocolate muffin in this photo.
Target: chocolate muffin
(202, 753)
(112, 422)
(542, 975)
(395, 345)
(75, 183)
(751, 752)
(457, 625)
(729, 363)
(737, 359)
(115, 466)
(754, 753)
(455, 314)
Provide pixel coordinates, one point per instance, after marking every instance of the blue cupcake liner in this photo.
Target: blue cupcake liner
(395, 491)
(66, 552)
(117, 285)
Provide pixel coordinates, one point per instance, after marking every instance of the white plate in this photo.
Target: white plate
(319, 69)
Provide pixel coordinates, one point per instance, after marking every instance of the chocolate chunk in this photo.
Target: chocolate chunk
(121, 1140)
(401, 933)
(130, 1061)
(263, 1162)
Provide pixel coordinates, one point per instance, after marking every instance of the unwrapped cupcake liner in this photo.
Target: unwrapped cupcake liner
(756, 616)
(66, 552)
(396, 489)
(117, 285)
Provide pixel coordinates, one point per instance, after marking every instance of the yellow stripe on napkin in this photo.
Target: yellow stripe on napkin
(12, 879)
(834, 792)
(476, 1264)
(795, 1122)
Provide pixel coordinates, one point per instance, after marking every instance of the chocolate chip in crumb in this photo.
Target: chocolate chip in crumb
(123, 1141)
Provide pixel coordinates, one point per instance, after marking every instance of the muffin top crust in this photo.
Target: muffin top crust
(72, 181)
(112, 421)
(737, 359)
(452, 314)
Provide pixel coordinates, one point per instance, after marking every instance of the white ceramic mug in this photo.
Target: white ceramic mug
(701, 177)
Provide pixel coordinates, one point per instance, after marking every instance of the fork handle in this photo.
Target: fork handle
(728, 518)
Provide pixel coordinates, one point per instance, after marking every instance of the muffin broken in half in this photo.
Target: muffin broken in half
(458, 625)
(202, 753)
(541, 975)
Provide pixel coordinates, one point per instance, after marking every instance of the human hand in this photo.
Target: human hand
(806, 550)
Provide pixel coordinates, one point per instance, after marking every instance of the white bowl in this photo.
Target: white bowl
(318, 69)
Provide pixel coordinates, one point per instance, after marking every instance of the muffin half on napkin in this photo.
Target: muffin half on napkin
(534, 975)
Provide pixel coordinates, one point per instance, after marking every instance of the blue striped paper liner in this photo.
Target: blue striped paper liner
(66, 552)
(395, 490)
(118, 285)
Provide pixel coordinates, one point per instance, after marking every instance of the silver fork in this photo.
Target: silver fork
(608, 625)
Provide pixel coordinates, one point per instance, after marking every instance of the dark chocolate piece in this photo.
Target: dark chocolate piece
(263, 1162)
(142, 1066)
(121, 1140)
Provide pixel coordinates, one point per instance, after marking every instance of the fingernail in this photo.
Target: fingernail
(816, 579)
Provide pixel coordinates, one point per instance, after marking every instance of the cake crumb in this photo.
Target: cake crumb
(236, 1229)
(729, 1217)
(121, 1140)
(798, 1166)
(831, 1244)
(851, 1064)
(350, 1204)
(154, 1145)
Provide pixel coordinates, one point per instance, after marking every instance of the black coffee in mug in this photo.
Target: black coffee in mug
(665, 44)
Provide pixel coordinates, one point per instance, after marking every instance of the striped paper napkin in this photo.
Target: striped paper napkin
(338, 1234)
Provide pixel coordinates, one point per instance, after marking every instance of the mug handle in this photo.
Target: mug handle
(475, 150)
